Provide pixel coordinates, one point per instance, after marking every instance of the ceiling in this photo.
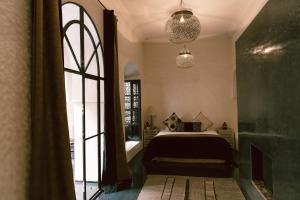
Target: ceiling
(146, 19)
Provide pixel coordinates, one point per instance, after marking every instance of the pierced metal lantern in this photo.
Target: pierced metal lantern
(185, 59)
(183, 27)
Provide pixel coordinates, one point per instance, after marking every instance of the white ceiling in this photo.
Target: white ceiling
(146, 19)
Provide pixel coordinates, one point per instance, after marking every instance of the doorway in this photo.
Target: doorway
(84, 82)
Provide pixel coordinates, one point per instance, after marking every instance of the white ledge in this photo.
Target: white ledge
(132, 148)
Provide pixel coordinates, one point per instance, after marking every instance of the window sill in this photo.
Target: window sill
(132, 148)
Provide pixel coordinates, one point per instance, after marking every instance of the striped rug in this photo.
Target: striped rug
(162, 187)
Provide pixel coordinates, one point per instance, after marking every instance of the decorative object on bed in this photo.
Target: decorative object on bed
(205, 122)
(172, 122)
(183, 26)
(188, 127)
(185, 59)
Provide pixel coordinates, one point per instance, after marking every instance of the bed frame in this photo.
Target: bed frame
(194, 163)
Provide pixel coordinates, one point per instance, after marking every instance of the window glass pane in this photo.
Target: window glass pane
(134, 117)
(102, 152)
(70, 12)
(69, 60)
(127, 102)
(136, 102)
(78, 189)
(91, 108)
(73, 86)
(127, 118)
(101, 106)
(101, 65)
(88, 52)
(73, 34)
(91, 27)
(91, 166)
(135, 89)
(93, 68)
(127, 88)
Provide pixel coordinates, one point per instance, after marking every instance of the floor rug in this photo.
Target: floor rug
(163, 187)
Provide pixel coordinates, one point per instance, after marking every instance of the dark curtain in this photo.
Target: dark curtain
(51, 170)
(115, 171)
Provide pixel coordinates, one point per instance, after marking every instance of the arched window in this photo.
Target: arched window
(84, 80)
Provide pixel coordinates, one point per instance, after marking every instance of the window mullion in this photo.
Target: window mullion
(83, 101)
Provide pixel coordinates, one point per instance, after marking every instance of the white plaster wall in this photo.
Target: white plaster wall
(208, 87)
(15, 40)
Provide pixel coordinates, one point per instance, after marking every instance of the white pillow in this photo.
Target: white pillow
(205, 122)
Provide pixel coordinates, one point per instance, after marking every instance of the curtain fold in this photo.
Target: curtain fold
(51, 169)
(116, 174)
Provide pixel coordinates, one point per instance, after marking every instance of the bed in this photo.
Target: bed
(189, 153)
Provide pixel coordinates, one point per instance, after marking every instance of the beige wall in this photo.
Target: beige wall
(15, 39)
(129, 53)
(208, 87)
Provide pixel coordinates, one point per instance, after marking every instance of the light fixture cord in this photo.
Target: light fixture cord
(181, 2)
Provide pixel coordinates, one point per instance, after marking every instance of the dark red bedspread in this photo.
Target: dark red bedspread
(188, 146)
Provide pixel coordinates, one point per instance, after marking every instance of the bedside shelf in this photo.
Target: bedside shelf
(228, 134)
(149, 135)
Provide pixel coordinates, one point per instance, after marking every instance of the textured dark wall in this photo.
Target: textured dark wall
(268, 87)
(269, 84)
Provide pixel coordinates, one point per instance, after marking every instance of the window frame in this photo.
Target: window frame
(139, 120)
(82, 68)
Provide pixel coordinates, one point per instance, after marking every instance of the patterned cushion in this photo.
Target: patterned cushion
(172, 122)
(188, 127)
(180, 127)
(205, 122)
(197, 126)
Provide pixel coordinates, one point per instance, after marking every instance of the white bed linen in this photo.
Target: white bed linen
(165, 132)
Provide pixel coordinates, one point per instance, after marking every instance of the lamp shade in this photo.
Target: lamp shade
(185, 59)
(183, 26)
